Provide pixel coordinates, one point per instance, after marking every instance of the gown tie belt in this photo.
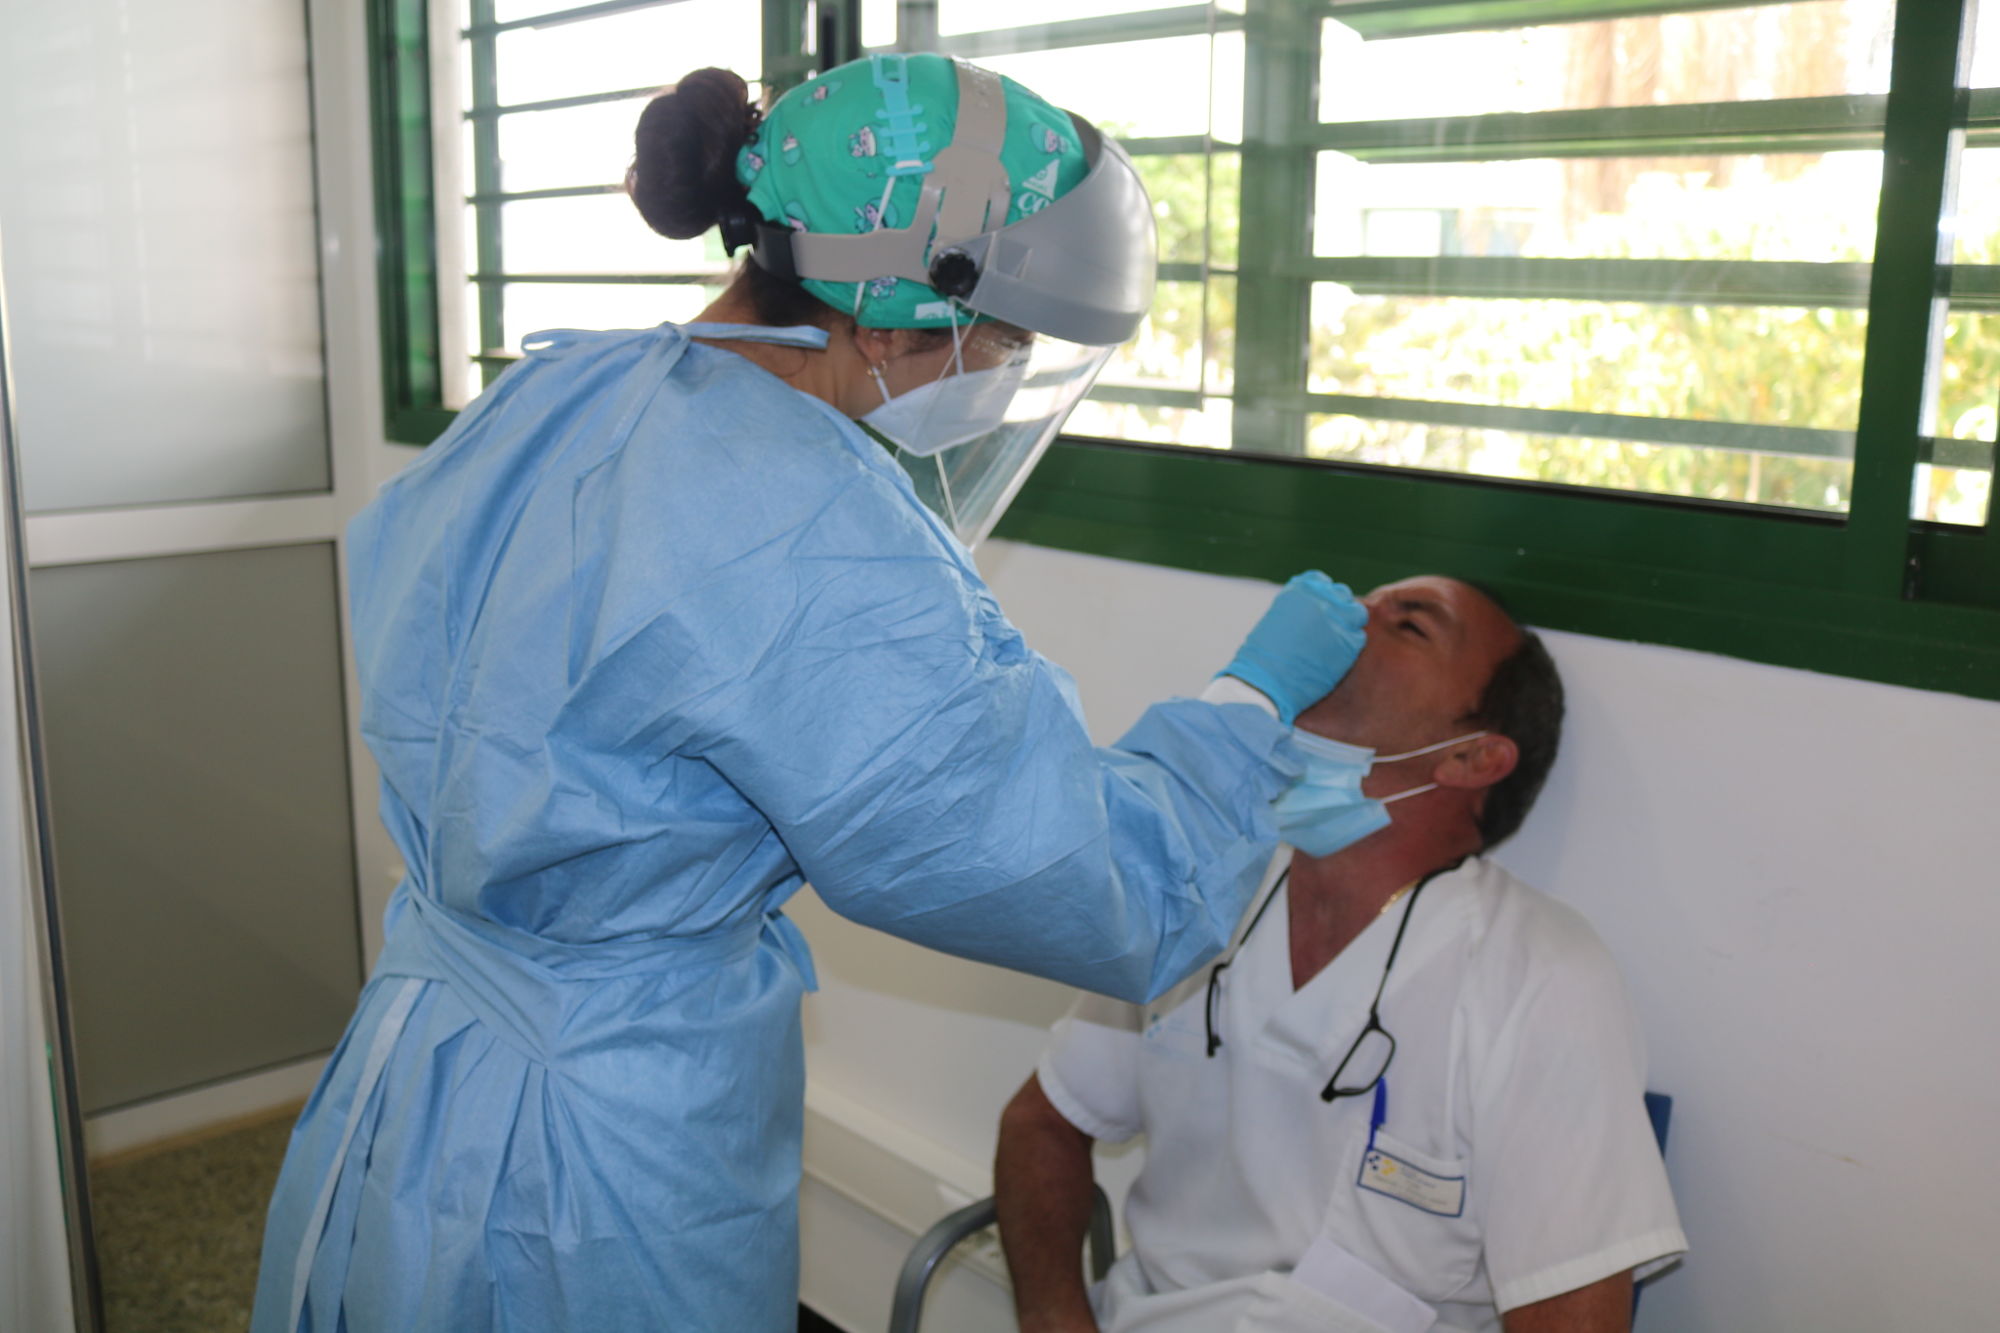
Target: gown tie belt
(527, 990)
(524, 989)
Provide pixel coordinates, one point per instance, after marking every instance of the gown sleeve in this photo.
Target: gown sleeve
(812, 636)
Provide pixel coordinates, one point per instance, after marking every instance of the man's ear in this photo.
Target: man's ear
(1478, 764)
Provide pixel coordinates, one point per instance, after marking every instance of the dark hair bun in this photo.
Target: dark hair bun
(683, 173)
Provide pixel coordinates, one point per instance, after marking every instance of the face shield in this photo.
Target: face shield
(969, 482)
(1077, 271)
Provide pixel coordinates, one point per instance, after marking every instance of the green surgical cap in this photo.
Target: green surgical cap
(836, 154)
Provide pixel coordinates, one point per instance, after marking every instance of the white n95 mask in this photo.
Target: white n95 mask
(949, 410)
(967, 441)
(1326, 811)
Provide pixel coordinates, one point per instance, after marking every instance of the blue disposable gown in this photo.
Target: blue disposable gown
(648, 640)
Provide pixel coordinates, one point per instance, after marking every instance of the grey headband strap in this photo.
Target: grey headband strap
(968, 173)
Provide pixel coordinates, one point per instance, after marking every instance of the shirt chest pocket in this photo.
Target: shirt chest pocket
(1410, 1212)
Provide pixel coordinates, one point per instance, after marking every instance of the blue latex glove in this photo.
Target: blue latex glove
(1304, 644)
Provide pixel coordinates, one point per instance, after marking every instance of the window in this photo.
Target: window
(1671, 321)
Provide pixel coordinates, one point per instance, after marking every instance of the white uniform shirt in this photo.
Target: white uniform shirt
(1515, 1097)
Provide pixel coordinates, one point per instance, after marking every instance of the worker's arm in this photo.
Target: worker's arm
(1601, 1307)
(1041, 1188)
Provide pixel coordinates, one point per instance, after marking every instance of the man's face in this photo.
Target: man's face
(1432, 644)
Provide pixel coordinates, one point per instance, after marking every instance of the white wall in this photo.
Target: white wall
(1792, 868)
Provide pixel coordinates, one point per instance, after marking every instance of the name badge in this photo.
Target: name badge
(1385, 1173)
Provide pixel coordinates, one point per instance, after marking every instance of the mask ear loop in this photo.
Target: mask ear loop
(1412, 754)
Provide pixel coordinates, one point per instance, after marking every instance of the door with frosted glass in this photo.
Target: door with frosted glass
(161, 275)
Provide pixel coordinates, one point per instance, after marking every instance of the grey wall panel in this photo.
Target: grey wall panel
(162, 275)
(198, 788)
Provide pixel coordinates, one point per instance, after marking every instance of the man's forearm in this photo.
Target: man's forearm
(1042, 1190)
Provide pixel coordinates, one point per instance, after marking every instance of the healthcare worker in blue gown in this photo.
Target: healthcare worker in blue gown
(656, 634)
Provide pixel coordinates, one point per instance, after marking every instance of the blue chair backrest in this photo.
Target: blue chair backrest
(1660, 1110)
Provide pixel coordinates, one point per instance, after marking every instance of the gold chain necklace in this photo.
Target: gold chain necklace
(1396, 897)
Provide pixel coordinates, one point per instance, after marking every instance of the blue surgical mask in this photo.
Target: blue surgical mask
(1326, 811)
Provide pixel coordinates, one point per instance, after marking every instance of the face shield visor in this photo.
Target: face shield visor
(969, 455)
(1076, 271)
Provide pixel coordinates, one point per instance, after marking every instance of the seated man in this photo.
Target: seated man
(1411, 1096)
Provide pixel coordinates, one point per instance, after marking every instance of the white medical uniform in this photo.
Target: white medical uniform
(1514, 1162)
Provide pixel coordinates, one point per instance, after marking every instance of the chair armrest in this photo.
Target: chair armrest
(906, 1312)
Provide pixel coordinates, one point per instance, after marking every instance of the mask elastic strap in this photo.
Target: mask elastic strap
(1429, 749)
(1414, 791)
(880, 385)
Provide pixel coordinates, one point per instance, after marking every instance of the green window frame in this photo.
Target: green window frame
(1871, 594)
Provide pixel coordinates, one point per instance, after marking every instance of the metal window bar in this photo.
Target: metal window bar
(1973, 287)
(487, 248)
(1782, 125)
(1928, 67)
(562, 103)
(1425, 18)
(1736, 437)
(1139, 26)
(486, 26)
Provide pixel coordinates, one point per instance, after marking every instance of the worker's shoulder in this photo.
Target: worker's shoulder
(1518, 930)
(643, 397)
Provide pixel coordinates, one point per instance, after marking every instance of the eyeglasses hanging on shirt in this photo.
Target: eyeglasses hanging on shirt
(1374, 1048)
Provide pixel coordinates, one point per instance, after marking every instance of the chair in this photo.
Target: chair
(931, 1248)
(906, 1312)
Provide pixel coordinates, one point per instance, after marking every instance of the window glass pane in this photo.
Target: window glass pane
(1185, 342)
(957, 16)
(1957, 495)
(1763, 365)
(581, 145)
(1977, 222)
(1969, 383)
(1815, 49)
(507, 11)
(878, 23)
(599, 233)
(1960, 487)
(1195, 206)
(197, 767)
(161, 265)
(643, 48)
(1172, 99)
(1986, 45)
(1811, 207)
(1740, 475)
(1207, 426)
(533, 306)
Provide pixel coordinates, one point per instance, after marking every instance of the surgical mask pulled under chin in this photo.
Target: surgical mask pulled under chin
(1326, 811)
(951, 410)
